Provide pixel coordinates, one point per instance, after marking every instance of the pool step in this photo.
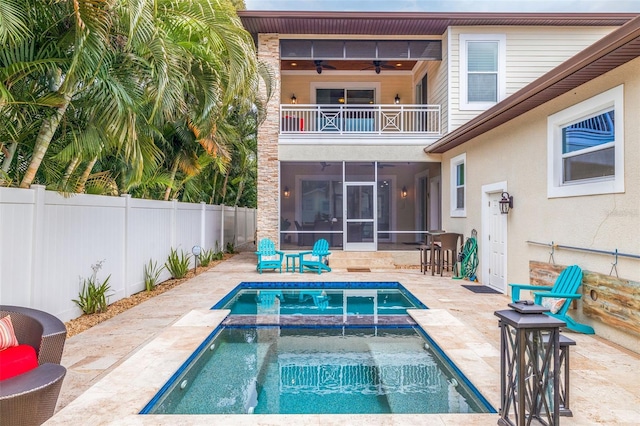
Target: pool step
(374, 260)
(237, 393)
(411, 378)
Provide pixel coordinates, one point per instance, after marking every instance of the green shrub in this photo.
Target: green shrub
(219, 252)
(178, 265)
(151, 274)
(93, 296)
(206, 257)
(230, 248)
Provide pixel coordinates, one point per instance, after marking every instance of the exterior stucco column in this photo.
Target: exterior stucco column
(268, 217)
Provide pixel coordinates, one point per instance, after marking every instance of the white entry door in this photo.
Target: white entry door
(494, 240)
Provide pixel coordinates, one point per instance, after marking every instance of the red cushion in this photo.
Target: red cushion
(17, 360)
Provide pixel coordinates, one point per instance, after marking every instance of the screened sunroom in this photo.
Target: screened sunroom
(358, 206)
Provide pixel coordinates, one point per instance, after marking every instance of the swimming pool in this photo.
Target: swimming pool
(270, 365)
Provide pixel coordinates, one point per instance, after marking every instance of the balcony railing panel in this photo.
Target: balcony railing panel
(370, 119)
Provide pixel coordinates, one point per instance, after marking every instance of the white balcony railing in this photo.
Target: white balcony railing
(370, 119)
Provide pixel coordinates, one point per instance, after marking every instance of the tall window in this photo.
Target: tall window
(482, 69)
(458, 186)
(585, 147)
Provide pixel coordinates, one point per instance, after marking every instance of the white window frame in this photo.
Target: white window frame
(501, 39)
(612, 98)
(454, 163)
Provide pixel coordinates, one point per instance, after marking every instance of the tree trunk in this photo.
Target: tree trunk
(69, 171)
(224, 185)
(48, 128)
(174, 170)
(8, 156)
(85, 175)
(239, 194)
(213, 191)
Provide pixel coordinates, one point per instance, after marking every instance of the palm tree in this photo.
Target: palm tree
(125, 67)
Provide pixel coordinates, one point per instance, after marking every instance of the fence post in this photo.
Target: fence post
(203, 224)
(235, 225)
(222, 226)
(174, 223)
(245, 210)
(127, 244)
(38, 244)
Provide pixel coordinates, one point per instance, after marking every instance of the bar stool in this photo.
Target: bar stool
(448, 251)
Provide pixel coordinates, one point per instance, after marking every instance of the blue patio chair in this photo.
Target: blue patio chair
(268, 256)
(558, 298)
(267, 298)
(316, 260)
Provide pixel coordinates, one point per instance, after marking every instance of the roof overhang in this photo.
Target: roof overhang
(409, 23)
(613, 50)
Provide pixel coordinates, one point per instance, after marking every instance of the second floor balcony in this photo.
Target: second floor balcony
(391, 119)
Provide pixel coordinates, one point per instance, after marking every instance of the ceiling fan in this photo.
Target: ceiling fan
(324, 165)
(320, 66)
(378, 65)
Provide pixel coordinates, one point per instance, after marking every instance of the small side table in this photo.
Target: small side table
(292, 261)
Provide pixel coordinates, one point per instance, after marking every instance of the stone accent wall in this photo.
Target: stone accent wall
(268, 217)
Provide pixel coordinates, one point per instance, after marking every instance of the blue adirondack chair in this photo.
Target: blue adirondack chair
(316, 259)
(563, 292)
(268, 256)
(267, 298)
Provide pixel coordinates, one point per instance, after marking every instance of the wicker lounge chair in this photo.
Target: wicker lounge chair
(30, 398)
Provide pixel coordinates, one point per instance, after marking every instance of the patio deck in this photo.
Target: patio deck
(116, 367)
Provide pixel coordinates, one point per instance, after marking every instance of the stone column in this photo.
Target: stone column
(268, 214)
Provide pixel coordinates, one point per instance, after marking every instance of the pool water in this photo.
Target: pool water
(318, 348)
(271, 370)
(333, 298)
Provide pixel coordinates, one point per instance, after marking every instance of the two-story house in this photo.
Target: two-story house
(358, 97)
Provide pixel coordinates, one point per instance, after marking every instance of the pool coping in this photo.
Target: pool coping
(142, 379)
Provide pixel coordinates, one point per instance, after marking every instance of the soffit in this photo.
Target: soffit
(613, 50)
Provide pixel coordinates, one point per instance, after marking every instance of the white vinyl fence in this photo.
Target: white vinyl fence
(49, 242)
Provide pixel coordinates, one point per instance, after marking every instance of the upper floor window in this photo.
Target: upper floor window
(482, 70)
(458, 186)
(585, 147)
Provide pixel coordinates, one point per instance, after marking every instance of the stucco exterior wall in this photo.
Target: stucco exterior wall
(516, 153)
(268, 219)
(531, 52)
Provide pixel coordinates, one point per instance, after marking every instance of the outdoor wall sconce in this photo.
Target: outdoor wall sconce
(397, 99)
(294, 100)
(403, 193)
(506, 203)
(286, 192)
